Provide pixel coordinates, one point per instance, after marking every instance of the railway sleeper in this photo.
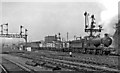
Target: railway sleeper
(95, 63)
(89, 62)
(48, 65)
(39, 62)
(102, 64)
(73, 67)
(31, 63)
(70, 65)
(54, 67)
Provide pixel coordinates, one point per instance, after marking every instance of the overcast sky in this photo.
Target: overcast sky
(49, 18)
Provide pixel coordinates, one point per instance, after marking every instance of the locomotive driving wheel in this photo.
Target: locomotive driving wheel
(98, 52)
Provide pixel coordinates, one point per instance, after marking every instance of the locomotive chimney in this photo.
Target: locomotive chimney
(106, 35)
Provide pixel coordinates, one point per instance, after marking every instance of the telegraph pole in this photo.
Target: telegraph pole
(1, 29)
(67, 36)
(59, 36)
(21, 30)
(26, 35)
(2, 33)
(6, 29)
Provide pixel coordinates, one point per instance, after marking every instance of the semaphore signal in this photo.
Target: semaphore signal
(91, 27)
(4, 32)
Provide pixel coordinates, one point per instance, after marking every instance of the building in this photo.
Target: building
(50, 39)
(53, 41)
(32, 45)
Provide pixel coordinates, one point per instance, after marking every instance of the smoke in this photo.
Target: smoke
(109, 16)
(109, 25)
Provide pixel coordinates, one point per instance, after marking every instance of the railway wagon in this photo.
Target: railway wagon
(76, 45)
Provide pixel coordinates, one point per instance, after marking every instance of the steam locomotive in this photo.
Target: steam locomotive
(91, 45)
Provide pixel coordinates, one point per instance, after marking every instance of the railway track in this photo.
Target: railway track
(3, 69)
(107, 61)
(63, 63)
(75, 65)
(9, 66)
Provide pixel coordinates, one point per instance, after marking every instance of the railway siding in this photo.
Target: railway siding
(85, 65)
(110, 61)
(10, 66)
(66, 62)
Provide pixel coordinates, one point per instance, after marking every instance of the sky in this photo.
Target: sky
(51, 17)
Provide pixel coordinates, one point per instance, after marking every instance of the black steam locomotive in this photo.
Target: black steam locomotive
(95, 45)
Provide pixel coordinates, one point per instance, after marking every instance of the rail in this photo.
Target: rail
(18, 66)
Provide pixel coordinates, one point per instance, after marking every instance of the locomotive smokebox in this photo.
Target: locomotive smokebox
(106, 41)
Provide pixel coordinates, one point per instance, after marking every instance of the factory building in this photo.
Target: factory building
(50, 39)
(53, 41)
(29, 45)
